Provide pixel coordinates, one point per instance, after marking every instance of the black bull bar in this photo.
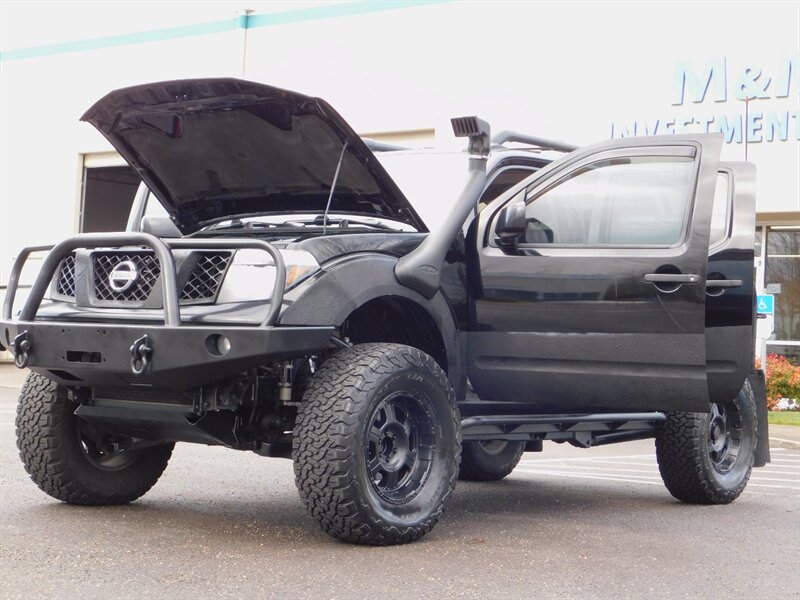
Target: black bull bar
(170, 356)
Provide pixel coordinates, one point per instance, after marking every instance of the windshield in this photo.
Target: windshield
(431, 181)
(336, 223)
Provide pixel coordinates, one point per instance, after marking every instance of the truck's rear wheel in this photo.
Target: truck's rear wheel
(706, 458)
(489, 460)
(74, 461)
(376, 444)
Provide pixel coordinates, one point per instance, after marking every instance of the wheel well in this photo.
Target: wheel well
(398, 320)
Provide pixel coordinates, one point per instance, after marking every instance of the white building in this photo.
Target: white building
(398, 70)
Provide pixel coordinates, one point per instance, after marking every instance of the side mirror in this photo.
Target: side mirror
(160, 227)
(511, 224)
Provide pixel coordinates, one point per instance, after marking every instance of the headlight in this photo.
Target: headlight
(251, 275)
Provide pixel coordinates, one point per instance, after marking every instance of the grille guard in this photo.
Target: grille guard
(162, 249)
(169, 356)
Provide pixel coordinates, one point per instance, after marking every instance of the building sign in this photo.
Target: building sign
(716, 82)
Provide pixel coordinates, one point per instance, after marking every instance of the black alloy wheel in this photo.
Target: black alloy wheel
(400, 446)
(724, 436)
(104, 451)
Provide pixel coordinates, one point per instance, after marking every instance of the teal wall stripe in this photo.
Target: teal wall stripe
(125, 39)
(326, 11)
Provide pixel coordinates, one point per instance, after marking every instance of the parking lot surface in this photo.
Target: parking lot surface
(566, 523)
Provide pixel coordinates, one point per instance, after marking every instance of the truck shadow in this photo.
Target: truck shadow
(277, 518)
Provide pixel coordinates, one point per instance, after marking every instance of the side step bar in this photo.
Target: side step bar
(579, 430)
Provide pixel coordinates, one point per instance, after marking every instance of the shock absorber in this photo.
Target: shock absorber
(285, 384)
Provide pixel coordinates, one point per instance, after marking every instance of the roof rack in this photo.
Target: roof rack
(498, 139)
(523, 138)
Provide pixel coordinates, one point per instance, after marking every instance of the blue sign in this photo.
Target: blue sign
(717, 82)
(765, 305)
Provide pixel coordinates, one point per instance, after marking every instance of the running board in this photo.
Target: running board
(579, 430)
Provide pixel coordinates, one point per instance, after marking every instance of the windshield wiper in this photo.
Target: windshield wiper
(340, 223)
(239, 224)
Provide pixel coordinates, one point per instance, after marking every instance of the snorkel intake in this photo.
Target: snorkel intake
(421, 270)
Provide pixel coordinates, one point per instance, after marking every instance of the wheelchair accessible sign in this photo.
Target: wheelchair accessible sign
(765, 305)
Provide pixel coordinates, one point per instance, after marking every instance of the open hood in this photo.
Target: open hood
(211, 149)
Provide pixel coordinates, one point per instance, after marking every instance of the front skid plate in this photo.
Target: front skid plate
(88, 354)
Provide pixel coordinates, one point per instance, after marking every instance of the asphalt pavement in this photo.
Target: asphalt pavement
(567, 523)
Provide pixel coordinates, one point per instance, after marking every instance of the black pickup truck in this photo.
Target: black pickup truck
(292, 302)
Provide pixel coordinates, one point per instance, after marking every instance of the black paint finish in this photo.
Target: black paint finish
(211, 149)
(580, 329)
(730, 310)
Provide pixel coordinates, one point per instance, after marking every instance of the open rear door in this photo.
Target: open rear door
(729, 283)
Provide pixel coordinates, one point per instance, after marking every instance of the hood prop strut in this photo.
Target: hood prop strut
(333, 189)
(421, 270)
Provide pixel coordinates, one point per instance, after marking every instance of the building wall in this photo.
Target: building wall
(575, 71)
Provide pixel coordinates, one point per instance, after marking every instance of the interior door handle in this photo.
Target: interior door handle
(671, 278)
(723, 283)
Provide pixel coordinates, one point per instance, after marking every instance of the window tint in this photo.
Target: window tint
(720, 216)
(504, 180)
(637, 200)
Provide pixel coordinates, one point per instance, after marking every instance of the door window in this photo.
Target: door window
(639, 201)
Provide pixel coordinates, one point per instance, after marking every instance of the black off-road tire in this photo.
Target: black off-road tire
(489, 461)
(692, 469)
(50, 446)
(337, 462)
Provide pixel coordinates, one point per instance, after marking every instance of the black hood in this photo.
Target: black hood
(211, 149)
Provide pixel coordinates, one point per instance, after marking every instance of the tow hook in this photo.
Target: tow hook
(141, 351)
(21, 346)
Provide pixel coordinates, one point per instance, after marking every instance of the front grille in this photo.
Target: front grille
(65, 284)
(202, 283)
(206, 277)
(146, 266)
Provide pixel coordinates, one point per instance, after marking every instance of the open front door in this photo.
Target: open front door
(599, 303)
(729, 285)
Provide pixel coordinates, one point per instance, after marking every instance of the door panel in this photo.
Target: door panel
(585, 323)
(729, 287)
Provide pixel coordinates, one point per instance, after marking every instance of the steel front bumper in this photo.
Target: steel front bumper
(179, 358)
(169, 356)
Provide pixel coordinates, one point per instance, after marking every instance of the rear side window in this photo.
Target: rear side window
(720, 217)
(623, 201)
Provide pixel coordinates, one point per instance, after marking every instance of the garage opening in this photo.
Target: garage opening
(108, 194)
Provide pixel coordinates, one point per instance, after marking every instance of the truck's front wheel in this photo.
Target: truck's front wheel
(376, 444)
(74, 461)
(706, 458)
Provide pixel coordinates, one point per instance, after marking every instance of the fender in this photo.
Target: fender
(350, 282)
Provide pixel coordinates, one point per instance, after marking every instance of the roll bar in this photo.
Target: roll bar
(378, 146)
(506, 136)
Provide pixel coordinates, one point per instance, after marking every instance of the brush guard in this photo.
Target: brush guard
(172, 355)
